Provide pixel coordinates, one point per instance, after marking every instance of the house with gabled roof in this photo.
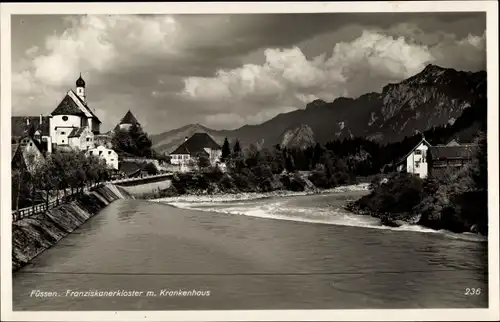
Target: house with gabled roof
(416, 161)
(36, 127)
(195, 146)
(26, 154)
(108, 155)
(425, 159)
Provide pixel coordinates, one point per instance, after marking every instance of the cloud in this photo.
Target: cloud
(229, 70)
(365, 64)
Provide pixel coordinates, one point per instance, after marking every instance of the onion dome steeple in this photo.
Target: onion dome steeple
(80, 82)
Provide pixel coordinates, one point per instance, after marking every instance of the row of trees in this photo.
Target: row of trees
(253, 164)
(39, 180)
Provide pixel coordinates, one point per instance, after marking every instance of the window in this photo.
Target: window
(88, 139)
(63, 133)
(31, 144)
(109, 152)
(64, 118)
(62, 141)
(91, 152)
(100, 152)
(418, 152)
(111, 160)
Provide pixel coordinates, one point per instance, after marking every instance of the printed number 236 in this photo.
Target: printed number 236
(472, 291)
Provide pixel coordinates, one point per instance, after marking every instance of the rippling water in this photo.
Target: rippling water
(301, 252)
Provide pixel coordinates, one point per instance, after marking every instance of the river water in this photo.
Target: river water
(301, 252)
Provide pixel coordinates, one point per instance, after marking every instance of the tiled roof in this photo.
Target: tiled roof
(68, 106)
(13, 150)
(18, 161)
(87, 108)
(18, 149)
(452, 152)
(129, 118)
(196, 145)
(19, 126)
(129, 168)
(76, 132)
(403, 158)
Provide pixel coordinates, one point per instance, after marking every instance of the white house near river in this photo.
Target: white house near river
(110, 156)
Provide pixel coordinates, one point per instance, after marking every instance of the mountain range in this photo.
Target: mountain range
(435, 96)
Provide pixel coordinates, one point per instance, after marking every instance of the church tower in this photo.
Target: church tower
(80, 88)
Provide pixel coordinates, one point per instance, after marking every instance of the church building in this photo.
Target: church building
(73, 123)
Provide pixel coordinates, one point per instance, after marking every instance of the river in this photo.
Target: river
(301, 252)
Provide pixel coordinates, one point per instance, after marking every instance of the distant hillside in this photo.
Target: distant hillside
(436, 96)
(169, 141)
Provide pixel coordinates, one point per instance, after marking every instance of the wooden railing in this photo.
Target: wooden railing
(43, 207)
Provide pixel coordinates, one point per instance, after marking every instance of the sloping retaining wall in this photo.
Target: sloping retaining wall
(34, 234)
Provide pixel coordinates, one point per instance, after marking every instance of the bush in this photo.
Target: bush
(226, 182)
(400, 194)
(319, 177)
(150, 168)
(294, 182)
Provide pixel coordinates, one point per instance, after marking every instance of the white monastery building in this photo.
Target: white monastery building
(109, 155)
(71, 125)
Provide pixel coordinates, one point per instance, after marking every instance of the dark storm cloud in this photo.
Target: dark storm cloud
(228, 70)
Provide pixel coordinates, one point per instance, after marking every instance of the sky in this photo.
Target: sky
(225, 71)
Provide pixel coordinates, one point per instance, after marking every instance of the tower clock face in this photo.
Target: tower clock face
(64, 118)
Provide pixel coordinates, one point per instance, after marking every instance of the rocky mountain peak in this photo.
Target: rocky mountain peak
(300, 137)
(316, 103)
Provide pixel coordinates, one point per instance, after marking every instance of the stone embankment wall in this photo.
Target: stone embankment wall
(34, 234)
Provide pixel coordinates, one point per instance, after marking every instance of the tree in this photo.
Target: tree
(480, 163)
(289, 163)
(317, 154)
(226, 150)
(203, 161)
(150, 168)
(134, 141)
(142, 141)
(237, 147)
(122, 142)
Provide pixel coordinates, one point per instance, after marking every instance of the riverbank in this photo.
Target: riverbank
(242, 196)
(218, 186)
(435, 203)
(35, 234)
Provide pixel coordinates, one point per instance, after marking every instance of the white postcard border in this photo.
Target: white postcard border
(490, 7)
